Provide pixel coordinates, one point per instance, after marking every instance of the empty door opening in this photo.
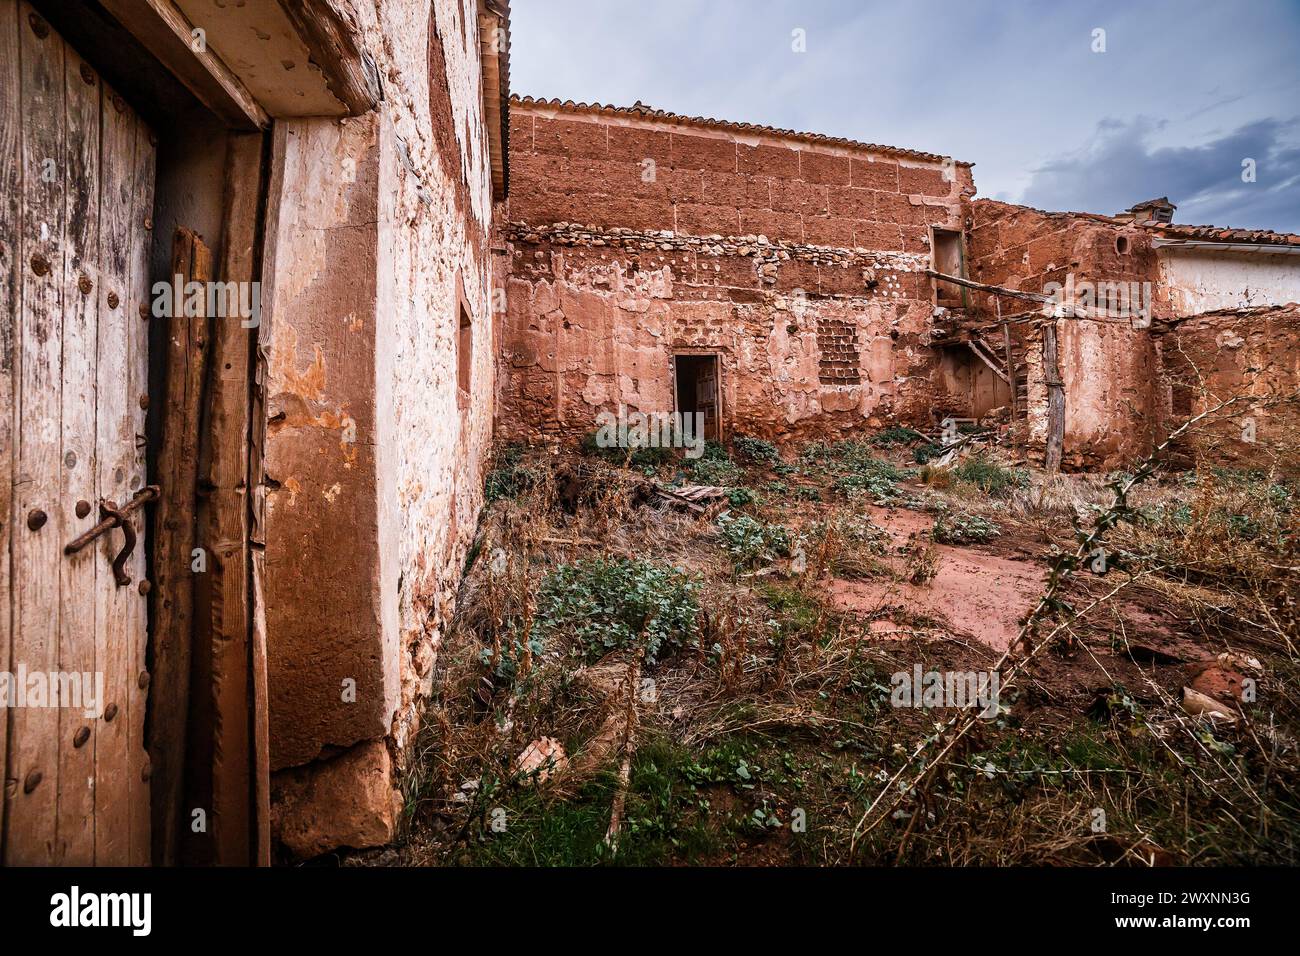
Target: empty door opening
(698, 389)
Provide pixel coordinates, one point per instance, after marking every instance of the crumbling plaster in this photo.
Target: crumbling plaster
(379, 224)
(1196, 280)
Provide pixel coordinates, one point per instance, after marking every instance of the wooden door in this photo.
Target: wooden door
(78, 178)
(707, 395)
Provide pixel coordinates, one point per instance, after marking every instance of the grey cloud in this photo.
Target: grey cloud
(1120, 166)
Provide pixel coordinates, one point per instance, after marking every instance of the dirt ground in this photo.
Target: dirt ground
(711, 676)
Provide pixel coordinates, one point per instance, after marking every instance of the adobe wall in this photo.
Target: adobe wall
(1108, 368)
(378, 225)
(633, 237)
(1213, 356)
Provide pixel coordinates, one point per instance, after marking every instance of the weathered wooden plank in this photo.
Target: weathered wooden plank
(175, 531)
(223, 614)
(115, 438)
(168, 35)
(33, 749)
(138, 777)
(261, 716)
(257, 487)
(332, 37)
(76, 834)
(11, 168)
(1055, 400)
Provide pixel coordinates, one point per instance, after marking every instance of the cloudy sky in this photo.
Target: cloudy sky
(1184, 92)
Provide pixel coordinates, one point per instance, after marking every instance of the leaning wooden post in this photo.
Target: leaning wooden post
(1011, 370)
(174, 538)
(1055, 399)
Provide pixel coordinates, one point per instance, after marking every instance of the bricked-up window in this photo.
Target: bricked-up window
(464, 354)
(837, 340)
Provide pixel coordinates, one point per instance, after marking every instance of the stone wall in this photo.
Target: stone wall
(634, 236)
(1127, 385)
(378, 241)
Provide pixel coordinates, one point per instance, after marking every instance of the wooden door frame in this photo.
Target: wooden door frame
(210, 721)
(714, 354)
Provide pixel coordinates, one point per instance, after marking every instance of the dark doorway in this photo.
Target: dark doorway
(698, 389)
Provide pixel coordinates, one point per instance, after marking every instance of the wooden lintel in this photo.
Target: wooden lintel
(169, 35)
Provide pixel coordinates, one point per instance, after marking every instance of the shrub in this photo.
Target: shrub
(962, 528)
(749, 540)
(872, 477)
(935, 477)
(607, 604)
(514, 653)
(509, 478)
(741, 496)
(857, 530)
(715, 467)
(756, 450)
(715, 471)
(990, 477)
(642, 457)
(924, 454)
(896, 436)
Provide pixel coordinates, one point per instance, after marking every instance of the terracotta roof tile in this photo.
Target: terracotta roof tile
(1222, 234)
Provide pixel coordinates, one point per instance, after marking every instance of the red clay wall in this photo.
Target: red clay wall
(797, 262)
(1108, 368)
(1212, 357)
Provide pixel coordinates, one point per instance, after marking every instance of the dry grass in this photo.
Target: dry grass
(782, 712)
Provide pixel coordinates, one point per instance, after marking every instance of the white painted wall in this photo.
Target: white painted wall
(1202, 280)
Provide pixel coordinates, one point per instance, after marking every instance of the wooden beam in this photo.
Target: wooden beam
(223, 612)
(330, 31)
(995, 289)
(1015, 379)
(169, 35)
(978, 350)
(11, 217)
(1055, 401)
(174, 537)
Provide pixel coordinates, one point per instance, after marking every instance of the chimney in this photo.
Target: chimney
(1153, 210)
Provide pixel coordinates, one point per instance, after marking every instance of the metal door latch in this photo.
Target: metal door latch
(111, 516)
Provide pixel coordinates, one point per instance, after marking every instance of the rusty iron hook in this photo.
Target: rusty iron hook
(109, 511)
(111, 516)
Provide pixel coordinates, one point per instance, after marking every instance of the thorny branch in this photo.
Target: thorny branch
(960, 724)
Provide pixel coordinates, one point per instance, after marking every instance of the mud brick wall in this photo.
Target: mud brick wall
(633, 237)
(1213, 356)
(838, 342)
(1108, 368)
